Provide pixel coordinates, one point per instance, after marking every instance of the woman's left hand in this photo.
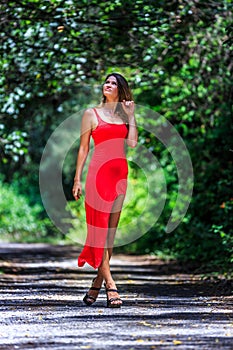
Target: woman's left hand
(128, 107)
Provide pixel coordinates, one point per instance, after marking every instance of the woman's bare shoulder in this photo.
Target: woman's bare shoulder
(88, 114)
(89, 117)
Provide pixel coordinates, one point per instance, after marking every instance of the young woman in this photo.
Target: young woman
(111, 125)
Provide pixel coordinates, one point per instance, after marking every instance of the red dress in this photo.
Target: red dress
(106, 180)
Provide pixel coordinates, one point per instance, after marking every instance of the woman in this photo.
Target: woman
(110, 125)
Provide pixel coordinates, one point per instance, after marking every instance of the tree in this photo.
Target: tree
(177, 56)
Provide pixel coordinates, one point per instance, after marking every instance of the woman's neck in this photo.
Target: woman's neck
(110, 106)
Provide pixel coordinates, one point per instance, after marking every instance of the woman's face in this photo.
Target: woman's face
(110, 89)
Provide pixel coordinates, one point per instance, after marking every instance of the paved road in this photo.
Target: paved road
(165, 307)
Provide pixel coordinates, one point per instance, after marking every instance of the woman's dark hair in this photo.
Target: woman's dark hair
(123, 88)
(124, 93)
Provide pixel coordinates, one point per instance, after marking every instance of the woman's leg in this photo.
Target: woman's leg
(104, 272)
(113, 222)
(104, 269)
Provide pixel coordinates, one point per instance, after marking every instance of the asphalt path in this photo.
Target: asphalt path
(165, 305)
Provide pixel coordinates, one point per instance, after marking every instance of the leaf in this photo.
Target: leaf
(177, 342)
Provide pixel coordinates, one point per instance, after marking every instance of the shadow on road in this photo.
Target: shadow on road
(165, 305)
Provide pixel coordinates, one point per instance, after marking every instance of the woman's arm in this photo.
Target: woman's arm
(86, 128)
(132, 138)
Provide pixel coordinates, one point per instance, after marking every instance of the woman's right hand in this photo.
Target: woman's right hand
(77, 190)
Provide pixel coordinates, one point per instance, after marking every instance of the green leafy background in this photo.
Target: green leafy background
(177, 57)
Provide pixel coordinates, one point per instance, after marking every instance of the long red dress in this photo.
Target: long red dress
(106, 180)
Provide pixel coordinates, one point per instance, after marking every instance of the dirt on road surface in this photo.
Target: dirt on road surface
(165, 306)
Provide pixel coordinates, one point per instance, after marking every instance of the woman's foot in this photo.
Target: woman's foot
(113, 298)
(93, 292)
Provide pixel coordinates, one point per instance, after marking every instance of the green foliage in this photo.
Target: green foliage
(196, 98)
(178, 58)
(18, 220)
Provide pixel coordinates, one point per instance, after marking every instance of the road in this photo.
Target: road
(165, 305)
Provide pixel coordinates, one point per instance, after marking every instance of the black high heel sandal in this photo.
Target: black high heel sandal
(87, 296)
(110, 302)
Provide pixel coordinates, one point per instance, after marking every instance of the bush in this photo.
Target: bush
(18, 220)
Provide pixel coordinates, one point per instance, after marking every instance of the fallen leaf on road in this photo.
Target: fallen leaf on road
(144, 323)
(177, 342)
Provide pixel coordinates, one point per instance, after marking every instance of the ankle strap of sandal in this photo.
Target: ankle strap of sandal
(111, 290)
